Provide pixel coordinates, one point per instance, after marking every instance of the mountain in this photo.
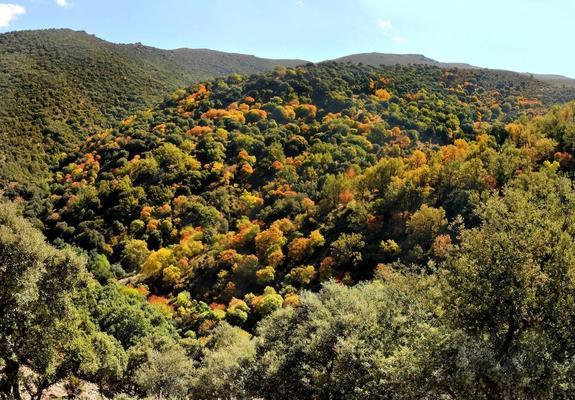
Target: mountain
(244, 187)
(58, 85)
(377, 59)
(556, 79)
(217, 63)
(326, 231)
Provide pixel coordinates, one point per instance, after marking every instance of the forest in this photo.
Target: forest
(326, 231)
(59, 85)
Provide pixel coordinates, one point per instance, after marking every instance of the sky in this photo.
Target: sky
(521, 35)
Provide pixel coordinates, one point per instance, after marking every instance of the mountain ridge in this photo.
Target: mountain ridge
(59, 85)
(376, 59)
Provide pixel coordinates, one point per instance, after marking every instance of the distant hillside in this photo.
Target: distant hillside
(556, 79)
(58, 85)
(377, 59)
(221, 63)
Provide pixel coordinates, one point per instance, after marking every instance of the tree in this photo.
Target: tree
(510, 284)
(125, 314)
(97, 357)
(43, 326)
(301, 276)
(224, 368)
(268, 302)
(165, 374)
(425, 224)
(347, 250)
(135, 254)
(100, 267)
(156, 262)
(370, 341)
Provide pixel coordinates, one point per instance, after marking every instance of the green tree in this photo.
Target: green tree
(43, 326)
(510, 285)
(347, 250)
(425, 224)
(126, 315)
(370, 341)
(223, 372)
(165, 374)
(135, 254)
(100, 267)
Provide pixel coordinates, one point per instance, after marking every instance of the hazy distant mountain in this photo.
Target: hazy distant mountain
(221, 63)
(377, 59)
(556, 79)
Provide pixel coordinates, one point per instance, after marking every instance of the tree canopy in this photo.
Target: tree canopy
(325, 231)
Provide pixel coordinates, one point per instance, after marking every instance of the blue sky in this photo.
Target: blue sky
(522, 35)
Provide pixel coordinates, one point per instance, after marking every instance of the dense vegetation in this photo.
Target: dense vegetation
(58, 321)
(249, 189)
(378, 59)
(328, 231)
(59, 85)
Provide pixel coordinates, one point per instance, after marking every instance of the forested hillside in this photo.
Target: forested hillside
(327, 231)
(279, 180)
(58, 85)
(378, 59)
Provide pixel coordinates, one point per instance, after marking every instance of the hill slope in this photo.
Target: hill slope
(60, 85)
(450, 188)
(377, 59)
(57, 85)
(252, 187)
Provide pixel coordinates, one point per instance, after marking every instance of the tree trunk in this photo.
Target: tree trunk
(39, 392)
(11, 384)
(509, 337)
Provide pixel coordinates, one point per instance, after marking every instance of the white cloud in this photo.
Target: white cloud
(299, 2)
(9, 12)
(62, 3)
(385, 24)
(389, 30)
